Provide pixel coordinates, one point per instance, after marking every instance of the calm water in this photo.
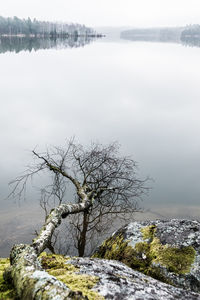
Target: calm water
(144, 95)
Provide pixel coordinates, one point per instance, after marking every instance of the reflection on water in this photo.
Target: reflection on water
(17, 44)
(191, 41)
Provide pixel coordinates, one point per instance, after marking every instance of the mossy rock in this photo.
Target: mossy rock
(6, 289)
(57, 265)
(98, 279)
(166, 250)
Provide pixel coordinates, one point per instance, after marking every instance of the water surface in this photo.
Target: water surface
(144, 95)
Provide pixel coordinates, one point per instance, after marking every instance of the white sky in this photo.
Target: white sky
(107, 12)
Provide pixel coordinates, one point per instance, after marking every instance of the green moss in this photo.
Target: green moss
(177, 260)
(6, 290)
(146, 256)
(148, 232)
(51, 261)
(56, 265)
(112, 248)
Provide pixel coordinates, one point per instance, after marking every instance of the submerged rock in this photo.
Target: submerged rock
(166, 250)
(98, 279)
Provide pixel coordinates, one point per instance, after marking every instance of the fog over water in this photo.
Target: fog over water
(144, 95)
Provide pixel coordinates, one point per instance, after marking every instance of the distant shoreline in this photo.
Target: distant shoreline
(163, 34)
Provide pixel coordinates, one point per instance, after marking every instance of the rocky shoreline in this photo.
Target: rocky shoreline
(141, 261)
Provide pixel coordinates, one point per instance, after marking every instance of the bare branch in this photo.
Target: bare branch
(99, 175)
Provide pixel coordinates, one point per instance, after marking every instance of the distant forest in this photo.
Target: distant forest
(191, 35)
(27, 27)
(188, 35)
(191, 30)
(153, 34)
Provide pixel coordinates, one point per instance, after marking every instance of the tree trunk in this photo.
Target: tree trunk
(82, 238)
(30, 281)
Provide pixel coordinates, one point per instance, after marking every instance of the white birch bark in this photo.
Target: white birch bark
(30, 281)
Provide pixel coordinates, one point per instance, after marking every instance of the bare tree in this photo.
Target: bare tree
(99, 175)
(101, 180)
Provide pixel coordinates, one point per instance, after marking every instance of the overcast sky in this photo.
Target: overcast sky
(107, 12)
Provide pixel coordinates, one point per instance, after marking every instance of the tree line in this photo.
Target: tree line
(190, 36)
(191, 30)
(162, 34)
(15, 26)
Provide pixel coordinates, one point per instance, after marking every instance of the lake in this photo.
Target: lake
(144, 95)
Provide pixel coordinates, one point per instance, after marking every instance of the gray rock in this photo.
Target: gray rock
(117, 281)
(167, 250)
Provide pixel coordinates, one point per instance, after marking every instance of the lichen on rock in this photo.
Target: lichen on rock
(143, 247)
(166, 250)
(119, 282)
(105, 279)
(58, 266)
(177, 260)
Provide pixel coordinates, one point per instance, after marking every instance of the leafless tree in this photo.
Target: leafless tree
(99, 175)
(101, 179)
